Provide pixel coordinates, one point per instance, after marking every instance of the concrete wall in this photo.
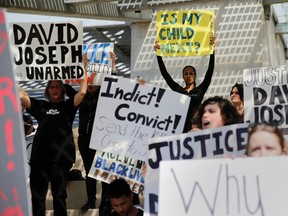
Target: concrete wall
(244, 40)
(274, 46)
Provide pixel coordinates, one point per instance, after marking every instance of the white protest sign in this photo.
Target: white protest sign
(224, 187)
(211, 143)
(47, 51)
(265, 95)
(128, 114)
(107, 167)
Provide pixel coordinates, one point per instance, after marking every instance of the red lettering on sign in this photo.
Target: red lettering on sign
(6, 91)
(8, 128)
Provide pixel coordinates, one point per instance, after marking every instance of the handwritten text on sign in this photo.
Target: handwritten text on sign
(224, 187)
(211, 143)
(185, 33)
(47, 51)
(265, 95)
(128, 114)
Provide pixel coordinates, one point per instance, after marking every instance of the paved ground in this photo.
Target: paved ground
(77, 192)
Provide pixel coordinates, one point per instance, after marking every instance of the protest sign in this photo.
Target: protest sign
(185, 32)
(107, 167)
(99, 62)
(211, 143)
(224, 187)
(13, 166)
(128, 114)
(265, 95)
(47, 51)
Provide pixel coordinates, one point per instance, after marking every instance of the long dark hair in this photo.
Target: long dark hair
(190, 66)
(240, 90)
(228, 111)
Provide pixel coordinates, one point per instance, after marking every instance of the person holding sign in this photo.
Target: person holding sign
(87, 110)
(217, 112)
(236, 97)
(189, 76)
(121, 198)
(264, 140)
(53, 149)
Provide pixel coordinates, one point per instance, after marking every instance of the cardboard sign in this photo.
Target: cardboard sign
(128, 114)
(210, 143)
(265, 95)
(47, 51)
(107, 167)
(224, 187)
(14, 184)
(185, 33)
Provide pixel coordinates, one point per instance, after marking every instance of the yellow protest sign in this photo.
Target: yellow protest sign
(185, 32)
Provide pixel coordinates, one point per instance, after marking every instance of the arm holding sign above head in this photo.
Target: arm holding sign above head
(113, 57)
(212, 41)
(83, 87)
(169, 80)
(208, 75)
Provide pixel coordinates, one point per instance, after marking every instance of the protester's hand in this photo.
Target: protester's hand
(156, 45)
(141, 81)
(212, 41)
(113, 56)
(144, 170)
(84, 60)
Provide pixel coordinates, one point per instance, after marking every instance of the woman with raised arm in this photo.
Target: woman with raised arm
(53, 149)
(196, 93)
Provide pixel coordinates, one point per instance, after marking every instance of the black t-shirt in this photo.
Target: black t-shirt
(53, 141)
(87, 111)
